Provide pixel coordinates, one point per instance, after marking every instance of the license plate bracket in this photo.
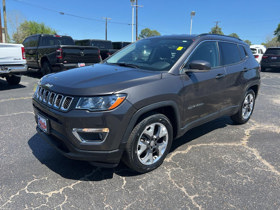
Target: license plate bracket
(43, 123)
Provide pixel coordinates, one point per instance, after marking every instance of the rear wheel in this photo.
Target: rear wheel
(149, 143)
(46, 68)
(13, 79)
(263, 69)
(246, 110)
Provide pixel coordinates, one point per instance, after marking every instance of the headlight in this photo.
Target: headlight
(101, 103)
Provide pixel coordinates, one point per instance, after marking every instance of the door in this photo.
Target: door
(203, 92)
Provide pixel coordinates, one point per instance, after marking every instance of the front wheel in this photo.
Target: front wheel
(245, 111)
(13, 80)
(149, 143)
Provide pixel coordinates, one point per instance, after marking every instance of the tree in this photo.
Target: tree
(28, 28)
(271, 42)
(146, 32)
(216, 30)
(277, 32)
(248, 42)
(15, 18)
(234, 35)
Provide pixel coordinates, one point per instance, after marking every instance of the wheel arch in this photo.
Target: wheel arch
(168, 108)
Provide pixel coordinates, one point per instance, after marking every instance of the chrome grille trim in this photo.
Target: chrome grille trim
(54, 100)
(66, 103)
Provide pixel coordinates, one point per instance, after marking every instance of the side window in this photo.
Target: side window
(242, 51)
(229, 53)
(26, 42)
(206, 51)
(33, 41)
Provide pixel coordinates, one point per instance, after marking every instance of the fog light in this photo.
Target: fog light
(90, 135)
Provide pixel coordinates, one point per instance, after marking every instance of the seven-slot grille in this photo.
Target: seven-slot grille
(57, 101)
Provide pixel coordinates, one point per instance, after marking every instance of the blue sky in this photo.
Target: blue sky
(250, 19)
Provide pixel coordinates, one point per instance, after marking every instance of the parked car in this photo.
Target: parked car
(258, 51)
(51, 53)
(271, 58)
(132, 106)
(120, 45)
(105, 46)
(12, 62)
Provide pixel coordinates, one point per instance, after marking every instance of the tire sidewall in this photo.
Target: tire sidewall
(157, 118)
(250, 91)
(46, 69)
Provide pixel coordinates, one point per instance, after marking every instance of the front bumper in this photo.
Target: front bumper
(60, 132)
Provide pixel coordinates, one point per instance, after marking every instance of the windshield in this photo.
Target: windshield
(152, 54)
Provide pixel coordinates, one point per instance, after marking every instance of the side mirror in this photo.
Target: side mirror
(199, 66)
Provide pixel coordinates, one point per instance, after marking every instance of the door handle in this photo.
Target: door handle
(219, 76)
(245, 69)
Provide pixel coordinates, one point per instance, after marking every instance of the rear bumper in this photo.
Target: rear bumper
(270, 65)
(18, 69)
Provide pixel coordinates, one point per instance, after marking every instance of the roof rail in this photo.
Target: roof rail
(205, 34)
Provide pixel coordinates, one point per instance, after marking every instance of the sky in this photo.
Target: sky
(254, 20)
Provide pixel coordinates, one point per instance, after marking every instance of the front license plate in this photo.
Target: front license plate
(42, 123)
(81, 64)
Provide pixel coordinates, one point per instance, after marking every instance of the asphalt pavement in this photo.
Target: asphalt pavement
(218, 165)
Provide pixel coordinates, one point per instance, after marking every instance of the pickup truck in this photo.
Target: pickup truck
(51, 53)
(12, 62)
(105, 46)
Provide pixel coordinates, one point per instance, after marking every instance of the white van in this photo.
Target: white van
(258, 51)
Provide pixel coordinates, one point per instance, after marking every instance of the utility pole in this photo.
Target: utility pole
(5, 20)
(1, 40)
(106, 20)
(136, 20)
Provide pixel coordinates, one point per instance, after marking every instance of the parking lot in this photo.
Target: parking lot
(215, 166)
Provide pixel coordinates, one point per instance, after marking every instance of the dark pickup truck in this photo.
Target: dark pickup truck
(51, 53)
(105, 46)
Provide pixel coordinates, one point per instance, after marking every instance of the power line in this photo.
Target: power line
(68, 14)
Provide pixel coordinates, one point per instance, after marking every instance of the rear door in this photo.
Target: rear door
(272, 57)
(235, 67)
(203, 93)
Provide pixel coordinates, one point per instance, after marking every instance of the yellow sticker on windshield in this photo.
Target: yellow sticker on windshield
(180, 48)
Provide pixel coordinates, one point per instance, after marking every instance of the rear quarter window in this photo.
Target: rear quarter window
(229, 53)
(243, 53)
(272, 51)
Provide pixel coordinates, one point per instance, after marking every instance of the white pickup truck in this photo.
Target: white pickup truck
(12, 62)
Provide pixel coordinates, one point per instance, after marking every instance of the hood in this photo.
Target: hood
(98, 79)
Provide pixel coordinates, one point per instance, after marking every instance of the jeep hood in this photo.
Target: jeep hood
(98, 79)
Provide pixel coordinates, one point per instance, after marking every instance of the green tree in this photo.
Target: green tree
(248, 42)
(277, 32)
(234, 35)
(272, 42)
(146, 32)
(28, 28)
(216, 30)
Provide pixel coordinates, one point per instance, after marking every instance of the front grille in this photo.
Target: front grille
(54, 100)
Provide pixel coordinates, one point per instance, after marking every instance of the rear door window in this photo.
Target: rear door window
(229, 53)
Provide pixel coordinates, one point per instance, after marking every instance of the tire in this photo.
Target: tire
(263, 69)
(149, 143)
(46, 68)
(246, 109)
(13, 80)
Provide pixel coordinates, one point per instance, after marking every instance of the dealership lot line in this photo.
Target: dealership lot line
(215, 166)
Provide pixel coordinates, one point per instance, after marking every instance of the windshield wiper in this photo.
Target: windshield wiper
(126, 65)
